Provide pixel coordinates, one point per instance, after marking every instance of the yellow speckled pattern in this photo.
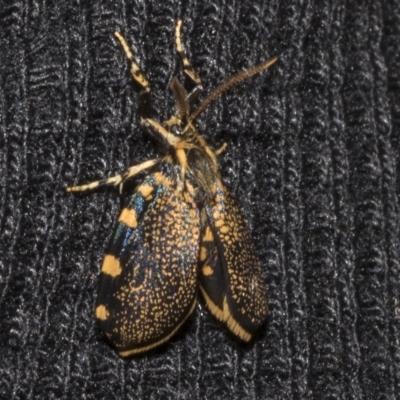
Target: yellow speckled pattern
(245, 302)
(156, 290)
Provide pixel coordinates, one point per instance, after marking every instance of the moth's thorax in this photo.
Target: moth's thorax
(195, 162)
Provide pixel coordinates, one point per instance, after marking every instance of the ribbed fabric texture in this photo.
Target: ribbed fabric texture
(312, 159)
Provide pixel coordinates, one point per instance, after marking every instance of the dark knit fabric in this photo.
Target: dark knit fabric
(312, 159)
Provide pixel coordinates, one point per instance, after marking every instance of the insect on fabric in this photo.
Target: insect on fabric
(181, 232)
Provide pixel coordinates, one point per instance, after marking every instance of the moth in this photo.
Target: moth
(181, 232)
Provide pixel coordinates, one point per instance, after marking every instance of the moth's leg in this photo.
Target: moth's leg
(144, 98)
(144, 111)
(117, 179)
(187, 66)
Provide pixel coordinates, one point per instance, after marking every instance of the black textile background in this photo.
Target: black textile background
(313, 160)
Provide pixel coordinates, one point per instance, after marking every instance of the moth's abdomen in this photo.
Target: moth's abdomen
(148, 280)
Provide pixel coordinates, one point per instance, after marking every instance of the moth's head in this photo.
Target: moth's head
(178, 131)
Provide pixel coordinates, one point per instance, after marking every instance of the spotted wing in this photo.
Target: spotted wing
(148, 279)
(231, 279)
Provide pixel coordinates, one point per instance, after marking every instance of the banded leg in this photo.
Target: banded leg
(144, 98)
(187, 66)
(117, 179)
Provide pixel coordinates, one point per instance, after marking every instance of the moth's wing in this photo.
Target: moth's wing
(230, 274)
(148, 280)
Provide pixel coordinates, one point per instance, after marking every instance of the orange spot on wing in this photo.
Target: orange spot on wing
(101, 312)
(208, 236)
(128, 217)
(203, 253)
(207, 270)
(146, 191)
(111, 266)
